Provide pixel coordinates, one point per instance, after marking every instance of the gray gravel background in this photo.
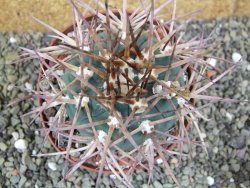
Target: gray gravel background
(227, 133)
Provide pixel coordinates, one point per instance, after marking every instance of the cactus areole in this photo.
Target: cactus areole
(120, 90)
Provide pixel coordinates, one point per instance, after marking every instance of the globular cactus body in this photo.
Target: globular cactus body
(99, 110)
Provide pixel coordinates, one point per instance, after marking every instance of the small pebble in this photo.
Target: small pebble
(174, 161)
(157, 184)
(225, 168)
(229, 116)
(112, 176)
(237, 142)
(12, 78)
(144, 186)
(52, 166)
(215, 149)
(139, 177)
(34, 152)
(12, 40)
(159, 161)
(210, 180)
(3, 146)
(21, 145)
(15, 135)
(212, 62)
(1, 161)
(236, 57)
(10, 87)
(22, 181)
(28, 86)
(240, 125)
(248, 67)
(235, 167)
(203, 135)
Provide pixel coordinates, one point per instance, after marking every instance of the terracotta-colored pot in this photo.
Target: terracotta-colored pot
(93, 167)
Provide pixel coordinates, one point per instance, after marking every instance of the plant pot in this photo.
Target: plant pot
(87, 166)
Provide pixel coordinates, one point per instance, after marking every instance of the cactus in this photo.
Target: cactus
(118, 89)
(126, 97)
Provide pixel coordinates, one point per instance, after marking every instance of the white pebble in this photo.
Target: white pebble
(12, 40)
(231, 180)
(21, 145)
(210, 180)
(229, 116)
(10, 87)
(236, 57)
(28, 86)
(203, 135)
(248, 67)
(212, 62)
(52, 166)
(15, 135)
(34, 152)
(112, 176)
(215, 149)
(159, 161)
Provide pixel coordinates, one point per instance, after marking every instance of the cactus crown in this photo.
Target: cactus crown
(117, 88)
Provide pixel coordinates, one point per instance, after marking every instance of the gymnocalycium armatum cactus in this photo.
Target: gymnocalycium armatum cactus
(131, 83)
(118, 88)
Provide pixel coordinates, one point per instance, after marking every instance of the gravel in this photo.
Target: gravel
(237, 142)
(227, 131)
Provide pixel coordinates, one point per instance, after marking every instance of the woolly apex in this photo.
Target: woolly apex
(141, 105)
